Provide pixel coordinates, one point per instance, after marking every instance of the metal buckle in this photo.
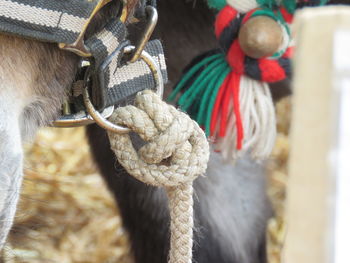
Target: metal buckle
(102, 120)
(151, 24)
(78, 47)
(83, 118)
(80, 119)
(91, 115)
(99, 95)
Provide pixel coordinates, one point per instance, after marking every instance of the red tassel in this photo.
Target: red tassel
(271, 71)
(236, 79)
(248, 15)
(235, 57)
(288, 53)
(224, 18)
(216, 109)
(225, 107)
(228, 91)
(288, 17)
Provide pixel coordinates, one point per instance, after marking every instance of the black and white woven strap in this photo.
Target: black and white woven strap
(132, 78)
(62, 21)
(58, 21)
(115, 78)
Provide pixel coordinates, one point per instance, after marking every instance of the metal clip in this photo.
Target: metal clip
(91, 115)
(102, 120)
(78, 47)
(152, 15)
(81, 118)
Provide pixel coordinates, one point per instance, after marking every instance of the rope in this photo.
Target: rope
(176, 153)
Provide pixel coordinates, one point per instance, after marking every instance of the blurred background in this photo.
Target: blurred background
(67, 215)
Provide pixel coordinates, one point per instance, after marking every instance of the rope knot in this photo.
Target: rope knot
(176, 149)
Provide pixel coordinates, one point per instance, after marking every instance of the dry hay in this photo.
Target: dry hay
(66, 214)
(278, 182)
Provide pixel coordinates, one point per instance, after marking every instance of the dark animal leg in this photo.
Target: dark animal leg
(231, 208)
(143, 208)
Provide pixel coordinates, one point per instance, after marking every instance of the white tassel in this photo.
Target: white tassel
(259, 123)
(243, 6)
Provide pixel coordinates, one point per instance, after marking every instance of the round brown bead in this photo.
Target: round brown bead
(260, 36)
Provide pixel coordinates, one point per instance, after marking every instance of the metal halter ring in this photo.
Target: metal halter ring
(104, 123)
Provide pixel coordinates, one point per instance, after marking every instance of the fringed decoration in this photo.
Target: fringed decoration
(226, 90)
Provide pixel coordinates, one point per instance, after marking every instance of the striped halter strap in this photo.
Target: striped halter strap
(110, 77)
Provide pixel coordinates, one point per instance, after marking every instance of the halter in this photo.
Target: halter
(110, 70)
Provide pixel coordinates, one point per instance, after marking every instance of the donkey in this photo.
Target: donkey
(231, 206)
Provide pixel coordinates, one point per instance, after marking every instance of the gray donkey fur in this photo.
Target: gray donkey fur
(231, 207)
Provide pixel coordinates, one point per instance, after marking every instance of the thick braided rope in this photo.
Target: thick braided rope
(181, 225)
(175, 154)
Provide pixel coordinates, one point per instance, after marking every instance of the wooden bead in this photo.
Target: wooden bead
(260, 36)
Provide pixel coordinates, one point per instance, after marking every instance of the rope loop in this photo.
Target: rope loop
(176, 149)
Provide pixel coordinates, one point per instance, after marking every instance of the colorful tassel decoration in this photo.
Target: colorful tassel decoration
(226, 90)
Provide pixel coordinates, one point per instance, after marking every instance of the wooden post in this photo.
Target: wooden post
(318, 226)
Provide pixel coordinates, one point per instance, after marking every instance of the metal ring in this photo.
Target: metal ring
(148, 59)
(152, 20)
(104, 123)
(124, 14)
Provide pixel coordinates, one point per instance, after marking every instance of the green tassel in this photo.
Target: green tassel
(199, 98)
(213, 99)
(210, 92)
(290, 5)
(217, 4)
(270, 4)
(199, 85)
(188, 75)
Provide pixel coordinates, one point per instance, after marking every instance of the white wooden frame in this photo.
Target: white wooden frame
(318, 206)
